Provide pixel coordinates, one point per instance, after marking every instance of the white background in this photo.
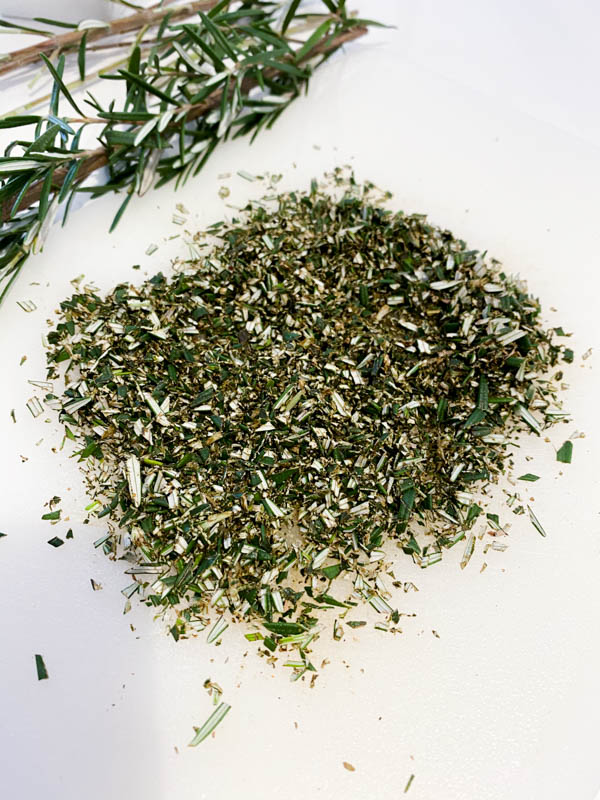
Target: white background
(484, 116)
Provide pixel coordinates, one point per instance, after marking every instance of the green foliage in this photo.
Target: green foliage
(190, 86)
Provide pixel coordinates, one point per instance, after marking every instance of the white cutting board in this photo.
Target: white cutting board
(504, 704)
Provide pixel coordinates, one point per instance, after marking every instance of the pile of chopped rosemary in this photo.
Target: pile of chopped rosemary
(331, 377)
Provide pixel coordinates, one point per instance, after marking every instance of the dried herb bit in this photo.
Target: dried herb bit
(55, 541)
(52, 515)
(565, 453)
(3, 535)
(409, 783)
(192, 80)
(42, 672)
(529, 476)
(35, 407)
(265, 421)
(535, 522)
(356, 623)
(349, 766)
(69, 534)
(211, 723)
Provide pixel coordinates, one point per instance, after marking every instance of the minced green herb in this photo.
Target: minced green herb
(565, 452)
(331, 377)
(40, 666)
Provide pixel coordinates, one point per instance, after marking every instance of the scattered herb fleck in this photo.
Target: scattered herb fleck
(529, 476)
(40, 666)
(35, 407)
(211, 723)
(565, 452)
(534, 521)
(55, 541)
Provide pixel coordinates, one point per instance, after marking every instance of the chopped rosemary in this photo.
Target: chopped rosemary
(56, 541)
(332, 376)
(40, 666)
(565, 452)
(211, 723)
(535, 522)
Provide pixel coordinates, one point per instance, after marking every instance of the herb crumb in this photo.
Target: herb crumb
(42, 672)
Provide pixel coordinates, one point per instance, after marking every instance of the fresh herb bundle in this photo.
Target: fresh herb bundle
(190, 80)
(331, 378)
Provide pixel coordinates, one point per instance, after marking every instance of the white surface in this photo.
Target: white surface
(505, 703)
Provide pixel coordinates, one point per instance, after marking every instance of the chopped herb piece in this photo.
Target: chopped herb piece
(565, 452)
(535, 522)
(55, 541)
(211, 723)
(284, 628)
(40, 666)
(529, 476)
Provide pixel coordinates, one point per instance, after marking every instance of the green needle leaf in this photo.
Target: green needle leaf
(45, 195)
(197, 39)
(81, 56)
(120, 212)
(293, 7)
(58, 80)
(18, 121)
(211, 723)
(284, 628)
(145, 85)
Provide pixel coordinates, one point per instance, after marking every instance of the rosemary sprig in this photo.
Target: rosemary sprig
(223, 74)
